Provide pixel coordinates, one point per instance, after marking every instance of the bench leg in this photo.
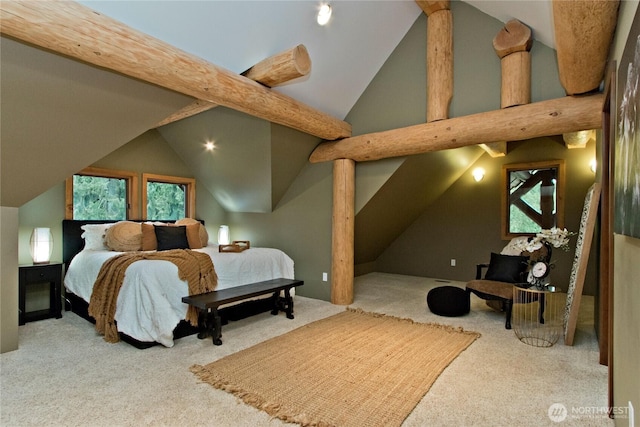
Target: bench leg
(210, 325)
(283, 303)
(289, 303)
(217, 327)
(203, 324)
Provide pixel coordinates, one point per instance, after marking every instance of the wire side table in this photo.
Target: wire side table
(536, 317)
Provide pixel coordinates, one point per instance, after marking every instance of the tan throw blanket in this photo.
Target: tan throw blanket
(194, 267)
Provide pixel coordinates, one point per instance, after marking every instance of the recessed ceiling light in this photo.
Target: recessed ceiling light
(209, 146)
(324, 14)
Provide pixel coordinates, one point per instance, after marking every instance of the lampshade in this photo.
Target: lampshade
(223, 235)
(41, 245)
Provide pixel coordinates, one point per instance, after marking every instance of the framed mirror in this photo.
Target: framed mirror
(532, 197)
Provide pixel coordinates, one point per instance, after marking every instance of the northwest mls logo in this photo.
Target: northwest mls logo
(557, 412)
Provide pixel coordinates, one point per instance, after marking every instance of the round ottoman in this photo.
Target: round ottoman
(448, 301)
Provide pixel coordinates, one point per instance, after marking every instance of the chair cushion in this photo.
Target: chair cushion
(506, 268)
(448, 301)
(502, 290)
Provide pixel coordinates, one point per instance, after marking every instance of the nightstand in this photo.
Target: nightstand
(35, 274)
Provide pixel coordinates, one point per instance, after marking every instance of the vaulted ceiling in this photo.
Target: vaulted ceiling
(345, 54)
(60, 115)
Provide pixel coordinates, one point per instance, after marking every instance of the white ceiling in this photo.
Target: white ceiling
(346, 54)
(536, 14)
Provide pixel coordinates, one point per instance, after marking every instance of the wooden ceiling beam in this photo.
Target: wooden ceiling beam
(78, 32)
(273, 71)
(281, 68)
(583, 33)
(545, 118)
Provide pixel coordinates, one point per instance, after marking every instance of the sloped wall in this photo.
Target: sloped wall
(397, 97)
(464, 223)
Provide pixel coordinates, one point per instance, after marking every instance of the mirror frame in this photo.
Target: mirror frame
(504, 192)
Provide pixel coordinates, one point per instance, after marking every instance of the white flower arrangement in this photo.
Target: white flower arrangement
(556, 237)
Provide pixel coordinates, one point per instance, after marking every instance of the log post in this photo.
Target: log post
(512, 45)
(544, 118)
(583, 33)
(76, 31)
(272, 71)
(342, 237)
(439, 58)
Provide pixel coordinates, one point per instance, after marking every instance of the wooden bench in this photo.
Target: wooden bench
(207, 304)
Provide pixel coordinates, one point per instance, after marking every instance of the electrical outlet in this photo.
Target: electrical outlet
(325, 277)
(453, 262)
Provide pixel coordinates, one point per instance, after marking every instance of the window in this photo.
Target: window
(95, 193)
(105, 194)
(167, 197)
(532, 197)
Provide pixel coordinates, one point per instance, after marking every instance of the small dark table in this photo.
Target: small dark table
(35, 274)
(209, 320)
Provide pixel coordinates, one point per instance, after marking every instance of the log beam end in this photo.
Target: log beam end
(583, 33)
(429, 7)
(513, 37)
(578, 139)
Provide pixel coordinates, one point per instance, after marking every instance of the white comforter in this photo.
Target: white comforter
(149, 306)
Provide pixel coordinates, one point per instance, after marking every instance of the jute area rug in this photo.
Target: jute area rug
(352, 369)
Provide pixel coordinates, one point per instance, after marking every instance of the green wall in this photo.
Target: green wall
(147, 153)
(626, 289)
(300, 223)
(465, 223)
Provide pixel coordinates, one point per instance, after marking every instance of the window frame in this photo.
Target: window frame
(189, 183)
(559, 165)
(131, 180)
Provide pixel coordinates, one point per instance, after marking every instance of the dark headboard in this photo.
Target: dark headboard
(72, 242)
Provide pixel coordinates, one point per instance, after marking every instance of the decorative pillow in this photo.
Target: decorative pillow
(506, 268)
(124, 236)
(94, 236)
(149, 241)
(513, 247)
(171, 237)
(202, 231)
(193, 235)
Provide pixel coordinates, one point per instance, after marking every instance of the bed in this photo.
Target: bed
(149, 309)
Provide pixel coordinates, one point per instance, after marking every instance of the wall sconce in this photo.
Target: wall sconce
(324, 14)
(41, 245)
(223, 235)
(593, 165)
(478, 174)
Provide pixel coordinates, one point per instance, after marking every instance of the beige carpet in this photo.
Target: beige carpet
(65, 375)
(354, 368)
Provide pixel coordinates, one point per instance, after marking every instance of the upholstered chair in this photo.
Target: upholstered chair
(504, 270)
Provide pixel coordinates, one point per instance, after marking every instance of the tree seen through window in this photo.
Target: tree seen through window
(165, 201)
